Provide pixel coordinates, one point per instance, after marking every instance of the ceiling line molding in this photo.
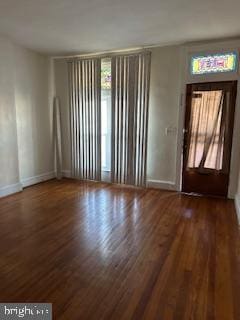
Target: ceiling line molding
(194, 45)
(108, 53)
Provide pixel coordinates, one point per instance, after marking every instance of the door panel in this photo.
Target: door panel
(208, 137)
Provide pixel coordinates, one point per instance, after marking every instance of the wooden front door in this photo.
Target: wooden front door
(208, 131)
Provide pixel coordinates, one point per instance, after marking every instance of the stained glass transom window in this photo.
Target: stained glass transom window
(106, 74)
(226, 62)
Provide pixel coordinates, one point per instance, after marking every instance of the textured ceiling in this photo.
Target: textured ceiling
(80, 26)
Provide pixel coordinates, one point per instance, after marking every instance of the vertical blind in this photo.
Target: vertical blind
(85, 116)
(130, 95)
(129, 125)
(57, 137)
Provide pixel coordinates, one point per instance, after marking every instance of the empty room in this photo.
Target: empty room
(119, 160)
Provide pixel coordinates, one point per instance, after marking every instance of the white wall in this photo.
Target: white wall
(61, 88)
(25, 135)
(9, 173)
(163, 114)
(237, 195)
(32, 110)
(237, 200)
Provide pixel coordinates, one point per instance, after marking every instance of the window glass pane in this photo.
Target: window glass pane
(206, 136)
(106, 105)
(106, 74)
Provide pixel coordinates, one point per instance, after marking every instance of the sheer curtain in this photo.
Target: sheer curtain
(85, 116)
(130, 95)
(208, 120)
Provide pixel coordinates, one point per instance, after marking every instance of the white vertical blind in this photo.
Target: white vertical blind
(130, 97)
(85, 102)
(57, 137)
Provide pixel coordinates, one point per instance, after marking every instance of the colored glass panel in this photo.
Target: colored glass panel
(214, 63)
(106, 74)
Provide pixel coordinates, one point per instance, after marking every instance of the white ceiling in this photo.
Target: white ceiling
(80, 26)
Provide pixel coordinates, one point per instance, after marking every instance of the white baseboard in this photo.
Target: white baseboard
(237, 206)
(37, 179)
(13, 188)
(105, 175)
(66, 173)
(161, 184)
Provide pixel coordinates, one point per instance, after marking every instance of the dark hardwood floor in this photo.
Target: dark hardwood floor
(98, 251)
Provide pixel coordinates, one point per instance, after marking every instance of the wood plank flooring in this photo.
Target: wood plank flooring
(98, 251)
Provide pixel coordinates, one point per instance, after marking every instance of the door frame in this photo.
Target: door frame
(186, 78)
(188, 102)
